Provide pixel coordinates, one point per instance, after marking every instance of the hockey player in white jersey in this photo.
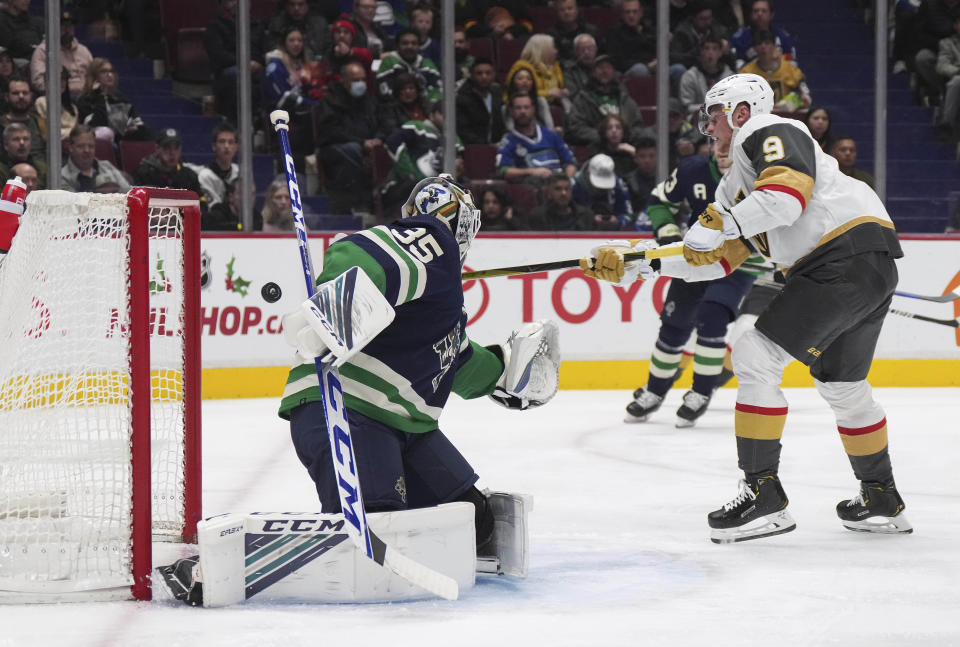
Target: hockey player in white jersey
(786, 199)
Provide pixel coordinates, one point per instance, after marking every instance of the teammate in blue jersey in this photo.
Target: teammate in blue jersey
(707, 306)
(395, 388)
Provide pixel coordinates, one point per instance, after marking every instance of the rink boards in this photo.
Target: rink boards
(606, 331)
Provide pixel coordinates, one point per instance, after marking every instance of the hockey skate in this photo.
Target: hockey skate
(694, 405)
(181, 580)
(877, 508)
(758, 510)
(644, 403)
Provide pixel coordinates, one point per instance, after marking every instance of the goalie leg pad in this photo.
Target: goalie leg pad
(510, 545)
(308, 557)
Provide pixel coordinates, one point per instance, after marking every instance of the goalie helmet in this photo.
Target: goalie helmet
(449, 202)
(730, 92)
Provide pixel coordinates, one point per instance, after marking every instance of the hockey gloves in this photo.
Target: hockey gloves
(668, 233)
(704, 241)
(606, 262)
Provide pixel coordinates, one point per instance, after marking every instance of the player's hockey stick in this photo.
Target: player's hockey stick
(657, 252)
(341, 446)
(942, 298)
(953, 323)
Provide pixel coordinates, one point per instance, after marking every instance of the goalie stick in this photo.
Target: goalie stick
(341, 446)
(659, 252)
(942, 298)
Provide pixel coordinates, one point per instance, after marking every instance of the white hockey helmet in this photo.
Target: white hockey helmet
(451, 203)
(730, 92)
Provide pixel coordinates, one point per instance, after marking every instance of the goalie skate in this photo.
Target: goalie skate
(509, 549)
(758, 510)
(877, 508)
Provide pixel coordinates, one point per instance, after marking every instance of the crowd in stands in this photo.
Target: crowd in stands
(555, 114)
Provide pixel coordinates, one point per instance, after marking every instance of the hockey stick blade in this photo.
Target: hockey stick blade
(657, 252)
(953, 323)
(338, 428)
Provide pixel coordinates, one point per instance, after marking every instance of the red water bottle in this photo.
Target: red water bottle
(11, 208)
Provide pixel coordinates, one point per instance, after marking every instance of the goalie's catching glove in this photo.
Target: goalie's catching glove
(704, 240)
(606, 262)
(531, 366)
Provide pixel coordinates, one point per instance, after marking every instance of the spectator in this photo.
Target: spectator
(529, 152)
(417, 152)
(790, 91)
(403, 105)
(632, 44)
(934, 23)
(220, 41)
(597, 187)
(577, 73)
(28, 175)
(276, 213)
(69, 113)
(642, 181)
(613, 143)
(104, 107)
(683, 137)
(369, 34)
(216, 176)
(347, 130)
(20, 31)
(408, 60)
(7, 71)
(687, 39)
(479, 113)
(225, 215)
(603, 96)
(16, 149)
(539, 55)
(461, 55)
(844, 149)
(496, 210)
(569, 25)
(743, 42)
(73, 56)
(296, 13)
(292, 82)
(507, 20)
(20, 110)
(343, 33)
(422, 18)
(392, 16)
(708, 70)
(559, 211)
(523, 81)
(817, 121)
(948, 67)
(729, 13)
(83, 172)
(164, 167)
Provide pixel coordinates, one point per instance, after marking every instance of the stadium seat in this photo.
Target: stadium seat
(582, 153)
(179, 14)
(642, 89)
(524, 198)
(479, 160)
(481, 48)
(603, 18)
(543, 18)
(104, 151)
(132, 152)
(263, 10)
(559, 116)
(380, 164)
(191, 64)
(508, 51)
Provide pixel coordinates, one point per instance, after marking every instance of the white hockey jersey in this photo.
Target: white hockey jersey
(789, 198)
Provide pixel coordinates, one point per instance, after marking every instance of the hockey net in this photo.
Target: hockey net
(99, 392)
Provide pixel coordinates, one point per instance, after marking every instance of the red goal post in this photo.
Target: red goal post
(99, 392)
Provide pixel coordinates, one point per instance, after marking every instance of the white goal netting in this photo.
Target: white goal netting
(66, 509)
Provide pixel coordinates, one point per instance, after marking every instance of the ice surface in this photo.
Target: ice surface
(619, 540)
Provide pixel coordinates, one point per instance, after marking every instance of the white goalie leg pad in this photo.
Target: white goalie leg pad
(343, 316)
(531, 374)
(511, 534)
(308, 557)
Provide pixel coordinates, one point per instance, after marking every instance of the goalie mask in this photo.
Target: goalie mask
(730, 92)
(449, 202)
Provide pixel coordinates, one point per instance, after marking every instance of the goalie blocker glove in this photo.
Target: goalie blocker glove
(531, 366)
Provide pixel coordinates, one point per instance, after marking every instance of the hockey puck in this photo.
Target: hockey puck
(271, 292)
